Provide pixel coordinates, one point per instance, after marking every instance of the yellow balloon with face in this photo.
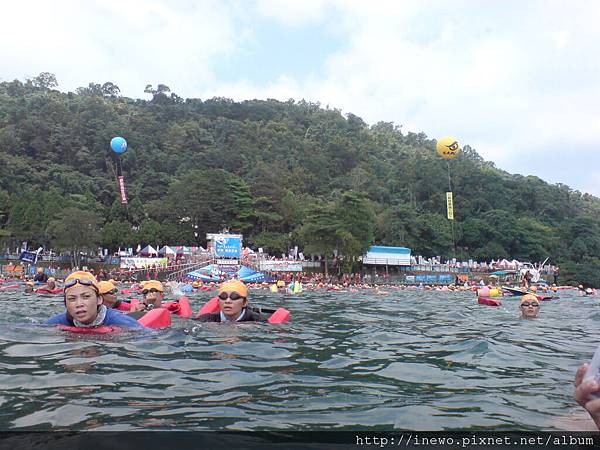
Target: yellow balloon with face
(447, 147)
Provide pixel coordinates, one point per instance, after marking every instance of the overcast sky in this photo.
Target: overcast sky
(518, 81)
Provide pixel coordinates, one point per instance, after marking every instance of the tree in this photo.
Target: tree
(319, 231)
(210, 200)
(117, 234)
(110, 90)
(149, 232)
(76, 230)
(356, 225)
(45, 80)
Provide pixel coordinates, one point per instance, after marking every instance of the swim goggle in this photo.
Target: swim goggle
(232, 295)
(150, 291)
(83, 281)
(534, 304)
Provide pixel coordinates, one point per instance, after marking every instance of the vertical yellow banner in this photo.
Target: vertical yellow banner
(450, 205)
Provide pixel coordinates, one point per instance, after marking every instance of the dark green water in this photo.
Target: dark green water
(410, 360)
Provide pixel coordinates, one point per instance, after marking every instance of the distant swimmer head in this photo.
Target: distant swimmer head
(153, 292)
(106, 287)
(530, 305)
(152, 284)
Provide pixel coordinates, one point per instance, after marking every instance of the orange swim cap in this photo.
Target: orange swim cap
(234, 286)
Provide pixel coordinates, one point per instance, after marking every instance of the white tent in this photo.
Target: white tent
(166, 250)
(148, 250)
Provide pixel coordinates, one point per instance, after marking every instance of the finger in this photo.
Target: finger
(584, 390)
(593, 406)
(580, 373)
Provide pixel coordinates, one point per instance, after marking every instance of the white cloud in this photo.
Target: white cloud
(292, 12)
(130, 43)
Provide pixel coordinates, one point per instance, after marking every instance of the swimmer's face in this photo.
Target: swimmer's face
(530, 309)
(232, 308)
(153, 297)
(109, 298)
(82, 303)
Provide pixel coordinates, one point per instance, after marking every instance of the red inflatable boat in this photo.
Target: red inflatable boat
(488, 301)
(279, 315)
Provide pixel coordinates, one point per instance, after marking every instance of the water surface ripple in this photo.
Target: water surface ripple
(407, 359)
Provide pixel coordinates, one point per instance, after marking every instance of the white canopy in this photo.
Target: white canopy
(148, 250)
(166, 250)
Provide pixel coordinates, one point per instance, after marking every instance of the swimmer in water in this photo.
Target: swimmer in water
(530, 306)
(84, 306)
(154, 293)
(233, 302)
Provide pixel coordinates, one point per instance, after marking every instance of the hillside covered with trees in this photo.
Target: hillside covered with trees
(282, 173)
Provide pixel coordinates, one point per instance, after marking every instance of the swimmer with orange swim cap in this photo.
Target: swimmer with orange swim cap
(233, 302)
(530, 305)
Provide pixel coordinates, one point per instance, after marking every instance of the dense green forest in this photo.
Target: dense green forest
(282, 173)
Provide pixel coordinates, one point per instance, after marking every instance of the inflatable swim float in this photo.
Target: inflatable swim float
(489, 301)
(279, 315)
(156, 318)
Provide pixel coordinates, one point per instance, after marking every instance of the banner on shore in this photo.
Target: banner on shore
(450, 205)
(122, 190)
(280, 266)
(430, 279)
(143, 263)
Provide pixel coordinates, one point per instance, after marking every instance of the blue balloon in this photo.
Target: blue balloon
(118, 145)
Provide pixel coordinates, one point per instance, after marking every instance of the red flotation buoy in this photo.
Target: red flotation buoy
(181, 307)
(49, 291)
(156, 318)
(488, 301)
(103, 329)
(11, 286)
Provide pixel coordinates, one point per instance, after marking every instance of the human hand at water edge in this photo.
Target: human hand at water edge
(138, 307)
(583, 391)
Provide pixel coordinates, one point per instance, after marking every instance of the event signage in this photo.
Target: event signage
(143, 263)
(433, 279)
(281, 266)
(228, 247)
(122, 190)
(450, 205)
(227, 262)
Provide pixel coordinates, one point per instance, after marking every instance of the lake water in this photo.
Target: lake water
(407, 360)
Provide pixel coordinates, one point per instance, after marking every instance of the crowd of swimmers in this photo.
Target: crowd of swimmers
(91, 303)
